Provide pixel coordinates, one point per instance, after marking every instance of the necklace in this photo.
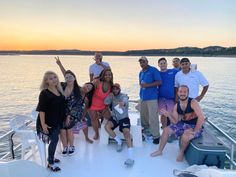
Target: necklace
(104, 88)
(183, 107)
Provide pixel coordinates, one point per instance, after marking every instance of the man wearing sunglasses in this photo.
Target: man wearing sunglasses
(192, 79)
(96, 68)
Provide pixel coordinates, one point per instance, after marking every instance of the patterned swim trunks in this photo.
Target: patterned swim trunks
(180, 127)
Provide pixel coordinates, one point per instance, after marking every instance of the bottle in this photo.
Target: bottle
(142, 82)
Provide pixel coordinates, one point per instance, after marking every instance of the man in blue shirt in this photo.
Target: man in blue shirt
(149, 80)
(166, 98)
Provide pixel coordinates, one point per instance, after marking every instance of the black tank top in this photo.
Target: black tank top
(188, 115)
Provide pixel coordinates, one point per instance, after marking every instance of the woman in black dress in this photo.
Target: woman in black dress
(51, 108)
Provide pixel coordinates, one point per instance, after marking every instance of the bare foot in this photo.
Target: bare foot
(89, 140)
(180, 157)
(156, 153)
(96, 136)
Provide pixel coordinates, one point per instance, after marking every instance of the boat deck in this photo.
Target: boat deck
(103, 160)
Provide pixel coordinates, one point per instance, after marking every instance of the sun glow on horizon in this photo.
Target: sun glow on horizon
(116, 26)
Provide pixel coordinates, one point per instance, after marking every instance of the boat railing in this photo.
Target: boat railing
(134, 101)
(9, 136)
(231, 141)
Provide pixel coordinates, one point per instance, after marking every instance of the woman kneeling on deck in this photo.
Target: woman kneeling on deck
(51, 108)
(189, 126)
(120, 117)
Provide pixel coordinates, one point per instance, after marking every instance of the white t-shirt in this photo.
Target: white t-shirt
(192, 80)
(96, 69)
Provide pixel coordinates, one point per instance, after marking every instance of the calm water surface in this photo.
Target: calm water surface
(21, 76)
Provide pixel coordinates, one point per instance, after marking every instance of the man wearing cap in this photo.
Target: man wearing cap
(192, 79)
(149, 80)
(96, 68)
(120, 117)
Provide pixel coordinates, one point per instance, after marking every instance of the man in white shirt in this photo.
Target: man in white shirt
(96, 68)
(192, 79)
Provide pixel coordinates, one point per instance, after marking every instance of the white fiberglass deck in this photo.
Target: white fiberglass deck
(103, 160)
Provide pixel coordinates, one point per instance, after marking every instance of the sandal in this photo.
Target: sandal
(57, 160)
(53, 168)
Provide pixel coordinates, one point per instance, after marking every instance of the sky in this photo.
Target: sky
(116, 25)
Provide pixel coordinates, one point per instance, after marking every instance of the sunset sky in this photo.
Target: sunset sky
(116, 24)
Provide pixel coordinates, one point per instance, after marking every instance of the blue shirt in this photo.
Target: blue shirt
(167, 88)
(178, 69)
(149, 76)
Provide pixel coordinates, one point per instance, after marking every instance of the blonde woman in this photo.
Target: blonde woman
(51, 108)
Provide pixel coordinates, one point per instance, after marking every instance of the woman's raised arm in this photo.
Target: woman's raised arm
(63, 70)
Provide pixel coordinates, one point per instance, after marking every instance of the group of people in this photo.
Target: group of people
(174, 94)
(64, 105)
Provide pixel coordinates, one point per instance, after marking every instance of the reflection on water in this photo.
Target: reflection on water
(21, 76)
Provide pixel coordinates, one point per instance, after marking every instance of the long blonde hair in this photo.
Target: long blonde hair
(44, 84)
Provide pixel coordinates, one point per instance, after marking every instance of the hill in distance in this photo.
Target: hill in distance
(181, 51)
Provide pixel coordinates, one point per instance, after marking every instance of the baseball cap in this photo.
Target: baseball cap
(143, 58)
(184, 60)
(116, 85)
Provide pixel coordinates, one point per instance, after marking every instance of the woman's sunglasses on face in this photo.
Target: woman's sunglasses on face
(69, 78)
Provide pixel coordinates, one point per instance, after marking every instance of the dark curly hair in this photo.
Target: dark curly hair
(77, 88)
(102, 76)
(89, 95)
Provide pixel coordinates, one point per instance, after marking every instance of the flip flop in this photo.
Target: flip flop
(54, 168)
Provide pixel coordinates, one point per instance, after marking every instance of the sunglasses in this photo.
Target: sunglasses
(69, 78)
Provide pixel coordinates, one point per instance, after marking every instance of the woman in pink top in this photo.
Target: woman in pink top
(98, 109)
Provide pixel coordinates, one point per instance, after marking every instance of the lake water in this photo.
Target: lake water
(21, 76)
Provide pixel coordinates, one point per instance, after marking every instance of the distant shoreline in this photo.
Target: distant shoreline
(211, 51)
(138, 55)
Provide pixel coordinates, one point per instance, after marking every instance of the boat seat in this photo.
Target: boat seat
(135, 130)
(28, 137)
(42, 148)
(207, 149)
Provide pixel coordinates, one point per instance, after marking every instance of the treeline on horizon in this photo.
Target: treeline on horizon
(194, 51)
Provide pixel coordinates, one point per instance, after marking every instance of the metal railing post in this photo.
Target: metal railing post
(232, 156)
(12, 146)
